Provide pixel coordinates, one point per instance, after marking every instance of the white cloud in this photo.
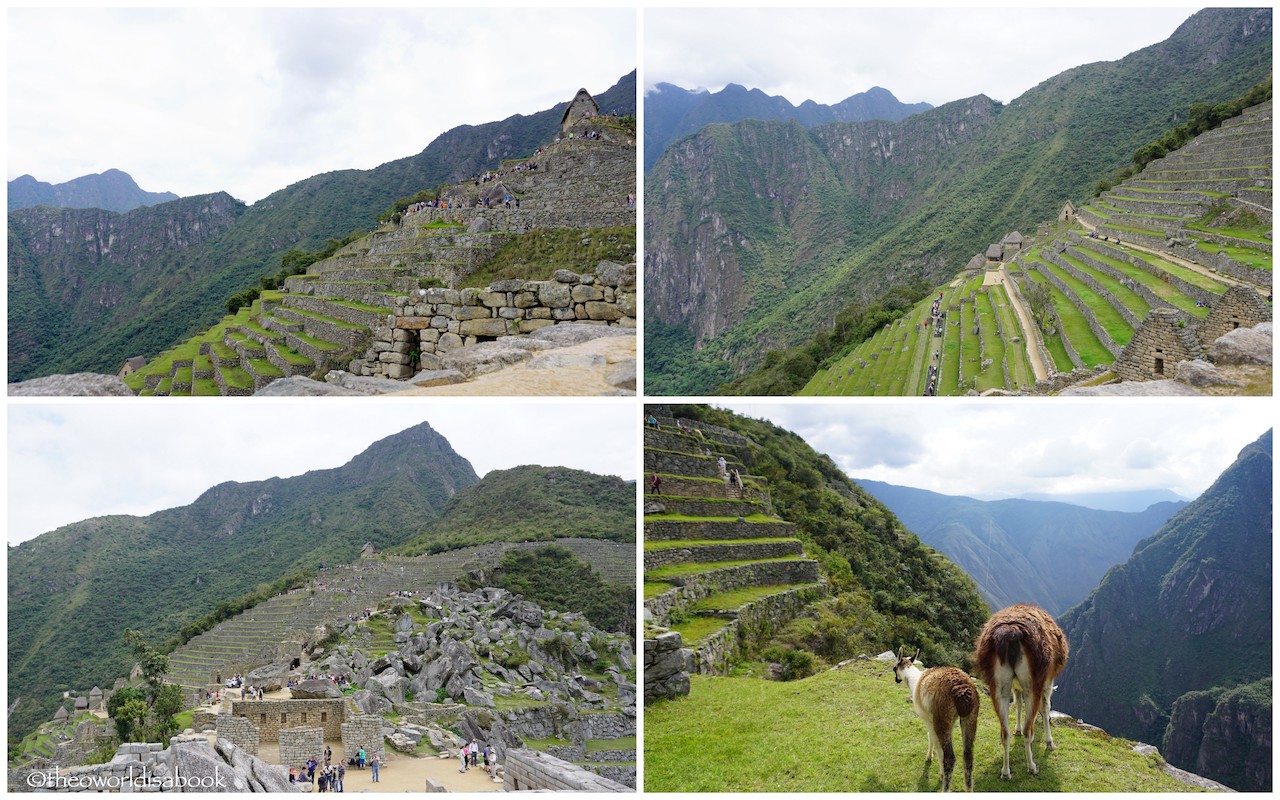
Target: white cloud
(249, 101)
(920, 54)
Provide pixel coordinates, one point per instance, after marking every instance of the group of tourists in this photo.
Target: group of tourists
(329, 778)
(931, 386)
(473, 755)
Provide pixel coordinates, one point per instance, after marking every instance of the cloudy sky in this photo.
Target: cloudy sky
(74, 460)
(993, 450)
(932, 55)
(248, 100)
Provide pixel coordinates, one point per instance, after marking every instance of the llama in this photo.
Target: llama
(1021, 649)
(942, 695)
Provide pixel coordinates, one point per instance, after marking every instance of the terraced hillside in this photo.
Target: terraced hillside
(719, 567)
(326, 318)
(251, 638)
(1185, 244)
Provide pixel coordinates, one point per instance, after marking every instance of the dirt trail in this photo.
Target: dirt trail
(1182, 262)
(1038, 366)
(562, 381)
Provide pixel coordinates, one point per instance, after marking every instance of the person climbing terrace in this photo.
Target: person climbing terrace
(655, 484)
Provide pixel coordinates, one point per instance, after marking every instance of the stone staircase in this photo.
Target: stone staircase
(719, 567)
(326, 319)
(253, 637)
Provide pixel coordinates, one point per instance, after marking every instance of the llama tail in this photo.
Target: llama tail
(1007, 640)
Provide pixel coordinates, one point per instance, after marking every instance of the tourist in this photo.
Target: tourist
(374, 763)
(492, 758)
(655, 484)
(311, 769)
(462, 754)
(724, 467)
(360, 758)
(328, 755)
(322, 784)
(342, 774)
(474, 750)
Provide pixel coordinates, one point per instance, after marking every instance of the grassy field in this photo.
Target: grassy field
(853, 730)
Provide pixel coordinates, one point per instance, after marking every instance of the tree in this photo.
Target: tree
(154, 664)
(128, 707)
(167, 706)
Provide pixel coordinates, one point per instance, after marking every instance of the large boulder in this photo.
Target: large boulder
(369, 703)
(269, 678)
(319, 689)
(1241, 346)
(80, 384)
(389, 685)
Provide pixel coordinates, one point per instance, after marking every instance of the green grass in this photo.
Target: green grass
(237, 378)
(597, 745)
(1254, 259)
(681, 570)
(1073, 326)
(757, 518)
(853, 730)
(1110, 319)
(727, 601)
(655, 588)
(205, 387)
(538, 254)
(291, 356)
(695, 629)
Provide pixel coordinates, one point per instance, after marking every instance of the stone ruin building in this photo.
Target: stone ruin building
(581, 107)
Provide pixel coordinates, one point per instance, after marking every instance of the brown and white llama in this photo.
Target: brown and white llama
(941, 696)
(1021, 649)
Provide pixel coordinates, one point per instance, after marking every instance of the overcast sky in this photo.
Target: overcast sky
(993, 450)
(72, 461)
(932, 55)
(248, 100)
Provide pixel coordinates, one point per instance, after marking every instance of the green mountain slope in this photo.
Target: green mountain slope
(1190, 611)
(764, 232)
(146, 314)
(1023, 551)
(532, 503)
(73, 591)
(886, 583)
(112, 190)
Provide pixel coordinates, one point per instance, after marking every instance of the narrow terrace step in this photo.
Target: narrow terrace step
(710, 488)
(688, 590)
(674, 441)
(672, 463)
(731, 506)
(659, 529)
(233, 380)
(686, 552)
(1135, 204)
(747, 625)
(368, 316)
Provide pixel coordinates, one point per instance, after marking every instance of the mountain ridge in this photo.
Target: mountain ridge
(673, 112)
(1197, 588)
(111, 190)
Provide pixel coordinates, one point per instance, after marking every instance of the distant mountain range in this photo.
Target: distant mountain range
(1174, 647)
(1138, 500)
(89, 288)
(112, 190)
(672, 112)
(1023, 551)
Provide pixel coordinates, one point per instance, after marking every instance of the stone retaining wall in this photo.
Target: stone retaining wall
(1179, 249)
(1239, 307)
(529, 770)
(272, 716)
(667, 664)
(1164, 335)
(720, 552)
(717, 653)
(692, 588)
(439, 321)
(1093, 283)
(664, 530)
(1090, 319)
(1189, 289)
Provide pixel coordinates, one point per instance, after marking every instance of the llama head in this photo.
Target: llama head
(905, 662)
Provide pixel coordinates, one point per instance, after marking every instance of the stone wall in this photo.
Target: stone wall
(363, 730)
(240, 731)
(721, 649)
(1239, 307)
(713, 552)
(1153, 353)
(529, 770)
(299, 744)
(667, 664)
(1089, 317)
(662, 530)
(728, 579)
(1130, 318)
(439, 321)
(272, 716)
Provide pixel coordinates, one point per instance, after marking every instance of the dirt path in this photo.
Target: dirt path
(1038, 366)
(562, 381)
(1182, 262)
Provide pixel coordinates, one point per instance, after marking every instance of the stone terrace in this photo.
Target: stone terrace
(719, 567)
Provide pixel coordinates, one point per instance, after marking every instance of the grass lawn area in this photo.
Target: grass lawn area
(1107, 316)
(679, 543)
(1131, 299)
(1254, 259)
(853, 730)
(695, 629)
(655, 588)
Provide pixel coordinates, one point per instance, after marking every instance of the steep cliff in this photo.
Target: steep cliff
(1225, 733)
(1190, 611)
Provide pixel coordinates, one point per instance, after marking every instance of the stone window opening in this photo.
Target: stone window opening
(324, 717)
(304, 718)
(1159, 366)
(283, 717)
(264, 718)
